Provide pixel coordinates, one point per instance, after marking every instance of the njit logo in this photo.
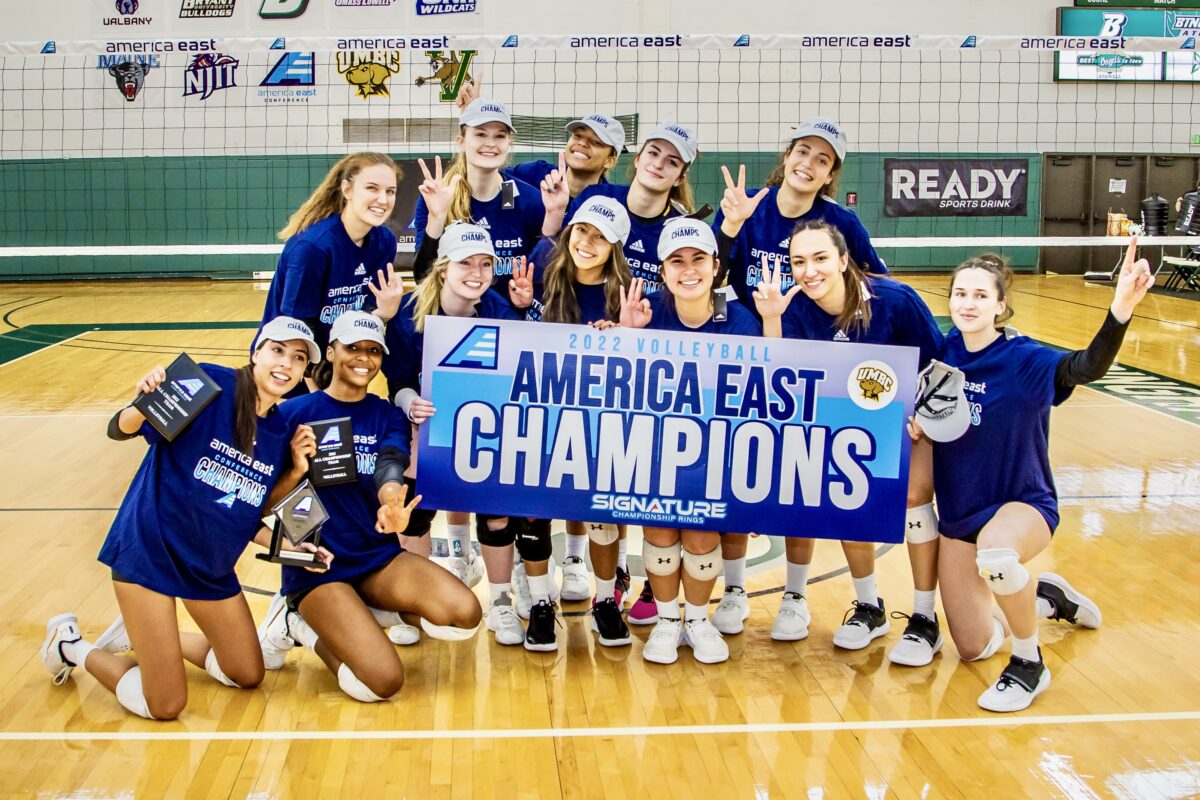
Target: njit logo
(450, 71)
(368, 71)
(288, 79)
(872, 385)
(129, 72)
(128, 14)
(476, 350)
(209, 72)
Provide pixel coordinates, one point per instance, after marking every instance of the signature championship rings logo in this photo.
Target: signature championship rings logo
(871, 385)
(368, 71)
(476, 350)
(208, 73)
(450, 71)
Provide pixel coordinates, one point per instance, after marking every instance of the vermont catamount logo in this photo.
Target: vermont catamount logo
(450, 71)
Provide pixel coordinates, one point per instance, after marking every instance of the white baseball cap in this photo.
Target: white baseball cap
(358, 326)
(289, 329)
(681, 232)
(683, 139)
(942, 406)
(823, 128)
(481, 111)
(610, 131)
(609, 217)
(463, 240)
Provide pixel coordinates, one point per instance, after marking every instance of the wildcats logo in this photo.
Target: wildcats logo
(450, 71)
(476, 350)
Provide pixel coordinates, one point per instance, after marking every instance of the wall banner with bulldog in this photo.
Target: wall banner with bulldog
(724, 433)
(959, 187)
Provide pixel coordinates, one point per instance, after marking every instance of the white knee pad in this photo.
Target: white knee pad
(386, 619)
(920, 524)
(130, 694)
(351, 685)
(993, 644)
(214, 669)
(703, 567)
(1001, 568)
(660, 560)
(602, 532)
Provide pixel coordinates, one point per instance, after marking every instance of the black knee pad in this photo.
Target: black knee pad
(533, 540)
(490, 538)
(421, 519)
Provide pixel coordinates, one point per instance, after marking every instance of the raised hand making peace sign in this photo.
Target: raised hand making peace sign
(736, 205)
(437, 195)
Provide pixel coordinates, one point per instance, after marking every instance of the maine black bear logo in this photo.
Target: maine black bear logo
(130, 77)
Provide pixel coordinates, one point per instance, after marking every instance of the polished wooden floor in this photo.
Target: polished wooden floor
(1122, 718)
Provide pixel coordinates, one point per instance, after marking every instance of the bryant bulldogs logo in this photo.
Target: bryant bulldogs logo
(368, 71)
(209, 72)
(130, 77)
(449, 71)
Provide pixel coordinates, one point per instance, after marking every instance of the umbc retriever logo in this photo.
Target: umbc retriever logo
(130, 77)
(450, 71)
(209, 72)
(368, 71)
(871, 385)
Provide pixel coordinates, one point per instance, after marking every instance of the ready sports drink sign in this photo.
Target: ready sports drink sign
(964, 187)
(724, 433)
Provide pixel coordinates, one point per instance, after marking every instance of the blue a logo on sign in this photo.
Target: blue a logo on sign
(279, 44)
(476, 350)
(968, 42)
(332, 436)
(191, 386)
(742, 41)
(1188, 44)
(292, 69)
(49, 47)
(227, 500)
(511, 41)
(303, 508)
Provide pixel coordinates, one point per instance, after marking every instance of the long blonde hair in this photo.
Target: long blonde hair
(681, 196)
(558, 280)
(327, 199)
(428, 294)
(829, 190)
(460, 204)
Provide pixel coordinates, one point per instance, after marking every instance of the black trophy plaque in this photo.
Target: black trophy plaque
(175, 403)
(334, 462)
(299, 517)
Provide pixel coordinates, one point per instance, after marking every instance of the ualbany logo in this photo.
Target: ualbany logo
(476, 350)
(871, 385)
(450, 71)
(368, 70)
(227, 500)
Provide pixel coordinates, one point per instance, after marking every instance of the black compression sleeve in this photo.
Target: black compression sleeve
(1084, 366)
(390, 466)
(425, 257)
(724, 248)
(114, 429)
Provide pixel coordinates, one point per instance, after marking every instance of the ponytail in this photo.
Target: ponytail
(245, 404)
(1002, 275)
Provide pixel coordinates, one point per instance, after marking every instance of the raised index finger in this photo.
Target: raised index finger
(728, 178)
(1131, 252)
(741, 184)
(424, 169)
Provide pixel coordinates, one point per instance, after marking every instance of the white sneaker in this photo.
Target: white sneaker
(273, 635)
(115, 639)
(575, 584)
(922, 640)
(707, 645)
(791, 623)
(1069, 604)
(504, 623)
(663, 645)
(59, 630)
(522, 598)
(863, 624)
(732, 612)
(404, 634)
(469, 572)
(1018, 684)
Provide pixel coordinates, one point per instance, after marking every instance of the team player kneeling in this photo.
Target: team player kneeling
(177, 534)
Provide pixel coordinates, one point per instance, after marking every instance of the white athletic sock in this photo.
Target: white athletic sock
(924, 602)
(735, 572)
(460, 541)
(499, 590)
(691, 612)
(301, 631)
(667, 609)
(386, 619)
(797, 578)
(622, 558)
(1045, 609)
(864, 589)
(605, 588)
(1026, 648)
(77, 652)
(577, 545)
(539, 588)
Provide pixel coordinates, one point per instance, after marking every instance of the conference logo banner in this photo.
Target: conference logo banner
(933, 187)
(723, 433)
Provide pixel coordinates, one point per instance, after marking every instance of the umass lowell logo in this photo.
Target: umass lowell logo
(208, 73)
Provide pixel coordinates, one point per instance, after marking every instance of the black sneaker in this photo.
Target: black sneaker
(607, 621)
(1018, 684)
(862, 624)
(539, 635)
(623, 584)
(1069, 605)
(921, 641)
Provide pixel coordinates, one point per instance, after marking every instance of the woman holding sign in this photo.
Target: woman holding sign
(992, 521)
(687, 250)
(331, 612)
(841, 303)
(194, 504)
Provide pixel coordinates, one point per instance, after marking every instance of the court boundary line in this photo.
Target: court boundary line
(41, 350)
(841, 726)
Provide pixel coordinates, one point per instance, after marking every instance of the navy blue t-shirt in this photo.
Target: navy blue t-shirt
(641, 248)
(592, 302)
(350, 532)
(1004, 456)
(406, 345)
(534, 172)
(769, 231)
(898, 317)
(322, 273)
(514, 231)
(196, 502)
(738, 321)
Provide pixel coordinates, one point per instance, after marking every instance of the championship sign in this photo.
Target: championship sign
(670, 429)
